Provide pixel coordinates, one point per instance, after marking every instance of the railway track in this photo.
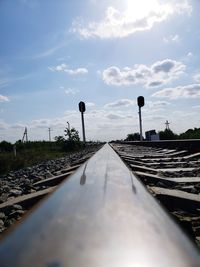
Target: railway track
(173, 177)
(102, 215)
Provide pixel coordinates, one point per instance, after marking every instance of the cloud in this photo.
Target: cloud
(189, 54)
(45, 123)
(161, 72)
(120, 103)
(8, 80)
(188, 91)
(70, 91)
(64, 68)
(48, 52)
(167, 66)
(138, 16)
(18, 126)
(4, 98)
(3, 125)
(196, 107)
(157, 104)
(113, 116)
(89, 104)
(196, 77)
(172, 39)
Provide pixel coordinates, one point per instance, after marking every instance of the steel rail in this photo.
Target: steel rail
(102, 216)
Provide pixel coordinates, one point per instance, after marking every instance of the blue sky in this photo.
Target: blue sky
(54, 54)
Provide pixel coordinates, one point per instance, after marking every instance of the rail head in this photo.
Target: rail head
(101, 216)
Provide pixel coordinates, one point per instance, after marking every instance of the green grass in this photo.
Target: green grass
(32, 153)
(26, 158)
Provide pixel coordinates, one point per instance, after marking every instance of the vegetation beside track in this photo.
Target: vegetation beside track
(168, 134)
(31, 153)
(26, 154)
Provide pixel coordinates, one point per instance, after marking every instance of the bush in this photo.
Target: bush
(191, 134)
(6, 146)
(133, 137)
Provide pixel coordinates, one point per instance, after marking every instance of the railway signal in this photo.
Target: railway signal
(140, 102)
(82, 110)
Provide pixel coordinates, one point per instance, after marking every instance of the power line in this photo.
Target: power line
(25, 135)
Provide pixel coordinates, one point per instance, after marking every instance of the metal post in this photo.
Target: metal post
(68, 125)
(15, 150)
(83, 126)
(26, 135)
(140, 122)
(167, 125)
(49, 134)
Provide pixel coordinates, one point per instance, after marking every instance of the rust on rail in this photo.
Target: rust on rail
(102, 216)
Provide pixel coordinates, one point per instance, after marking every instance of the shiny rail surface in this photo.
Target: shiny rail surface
(102, 216)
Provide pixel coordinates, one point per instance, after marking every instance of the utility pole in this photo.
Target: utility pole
(15, 150)
(49, 129)
(167, 125)
(140, 102)
(25, 135)
(68, 126)
(82, 110)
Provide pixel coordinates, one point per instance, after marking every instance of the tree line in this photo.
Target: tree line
(70, 141)
(168, 134)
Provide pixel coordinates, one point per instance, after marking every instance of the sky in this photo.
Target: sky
(54, 54)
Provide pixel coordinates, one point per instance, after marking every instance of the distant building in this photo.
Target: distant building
(152, 135)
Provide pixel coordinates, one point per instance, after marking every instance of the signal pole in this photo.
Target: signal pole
(140, 102)
(82, 110)
(140, 122)
(68, 125)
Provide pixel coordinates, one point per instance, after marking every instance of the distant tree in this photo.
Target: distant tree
(6, 146)
(133, 137)
(59, 139)
(191, 134)
(167, 134)
(72, 134)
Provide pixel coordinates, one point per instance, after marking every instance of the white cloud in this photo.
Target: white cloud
(64, 68)
(89, 104)
(196, 107)
(70, 91)
(172, 39)
(138, 16)
(157, 104)
(3, 125)
(161, 72)
(48, 52)
(120, 103)
(196, 77)
(189, 54)
(18, 126)
(112, 116)
(8, 80)
(188, 91)
(4, 98)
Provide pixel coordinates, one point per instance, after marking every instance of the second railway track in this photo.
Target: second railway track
(173, 177)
